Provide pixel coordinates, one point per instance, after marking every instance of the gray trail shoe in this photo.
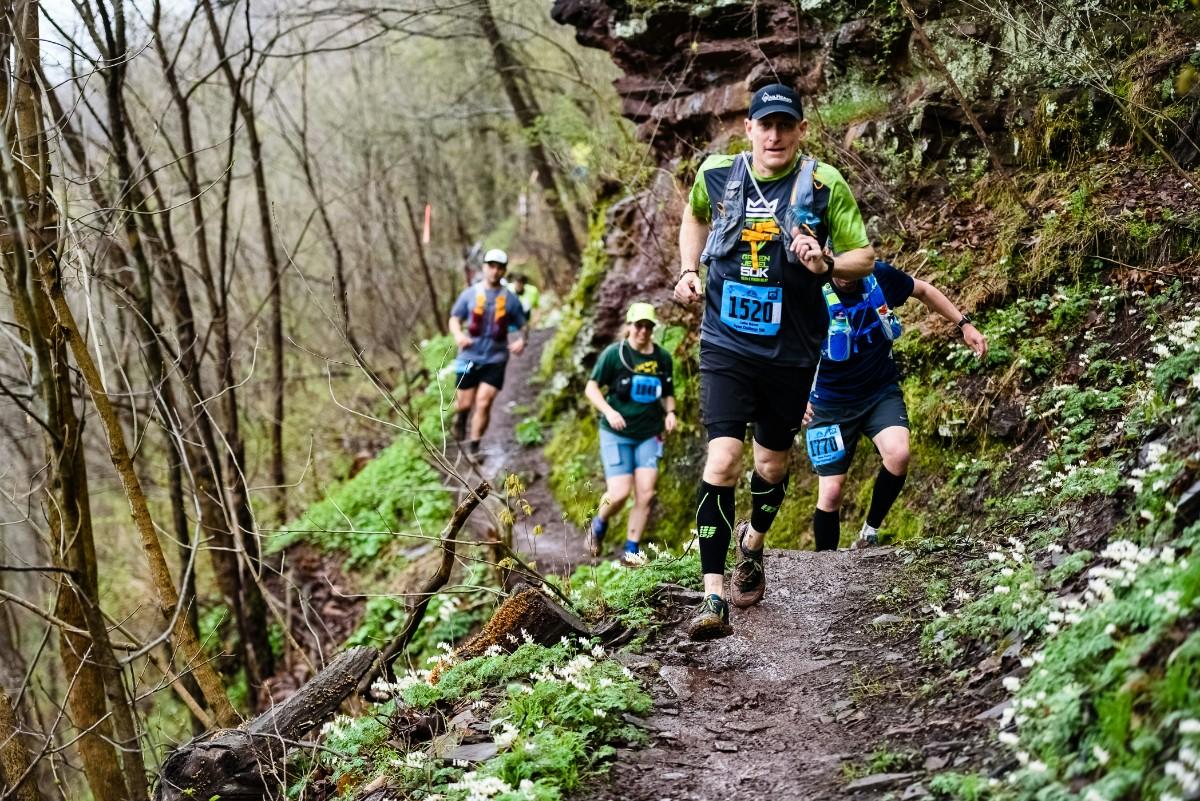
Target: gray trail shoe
(749, 582)
(711, 620)
(868, 537)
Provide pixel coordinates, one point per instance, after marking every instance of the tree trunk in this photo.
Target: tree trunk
(31, 272)
(96, 696)
(16, 768)
(274, 267)
(527, 112)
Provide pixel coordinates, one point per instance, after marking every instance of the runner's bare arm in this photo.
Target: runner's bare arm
(460, 338)
(935, 301)
(692, 233)
(854, 263)
(596, 398)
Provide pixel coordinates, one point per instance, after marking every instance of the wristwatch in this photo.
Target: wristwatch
(964, 321)
(828, 263)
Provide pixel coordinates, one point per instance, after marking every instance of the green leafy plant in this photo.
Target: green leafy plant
(529, 432)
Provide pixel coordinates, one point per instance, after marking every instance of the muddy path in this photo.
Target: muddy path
(812, 682)
(559, 547)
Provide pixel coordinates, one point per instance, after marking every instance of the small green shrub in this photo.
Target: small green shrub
(529, 432)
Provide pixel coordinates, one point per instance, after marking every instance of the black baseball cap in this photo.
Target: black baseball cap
(775, 98)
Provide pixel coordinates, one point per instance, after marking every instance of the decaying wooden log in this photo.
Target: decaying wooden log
(528, 612)
(246, 763)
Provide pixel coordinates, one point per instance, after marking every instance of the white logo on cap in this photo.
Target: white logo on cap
(784, 98)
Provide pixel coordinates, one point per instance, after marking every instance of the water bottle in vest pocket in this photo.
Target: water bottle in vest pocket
(839, 340)
(645, 388)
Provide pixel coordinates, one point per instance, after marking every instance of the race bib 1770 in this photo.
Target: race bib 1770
(752, 309)
(825, 445)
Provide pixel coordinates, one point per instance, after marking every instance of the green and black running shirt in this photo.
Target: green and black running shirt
(620, 360)
(759, 262)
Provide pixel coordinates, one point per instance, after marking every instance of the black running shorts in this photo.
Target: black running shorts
(483, 374)
(736, 392)
(834, 430)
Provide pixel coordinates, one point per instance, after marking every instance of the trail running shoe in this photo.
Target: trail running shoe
(749, 582)
(711, 620)
(596, 535)
(868, 537)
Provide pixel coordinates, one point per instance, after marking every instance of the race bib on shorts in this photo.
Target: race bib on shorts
(752, 309)
(825, 445)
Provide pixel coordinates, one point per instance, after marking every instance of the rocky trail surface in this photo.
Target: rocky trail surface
(551, 543)
(814, 695)
(793, 705)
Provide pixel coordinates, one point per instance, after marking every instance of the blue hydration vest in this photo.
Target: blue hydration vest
(839, 342)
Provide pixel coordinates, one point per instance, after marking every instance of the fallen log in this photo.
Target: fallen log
(527, 615)
(247, 763)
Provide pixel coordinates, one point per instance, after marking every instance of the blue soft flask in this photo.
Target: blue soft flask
(800, 206)
(837, 343)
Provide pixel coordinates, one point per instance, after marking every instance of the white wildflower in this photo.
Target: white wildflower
(508, 732)
(1011, 683)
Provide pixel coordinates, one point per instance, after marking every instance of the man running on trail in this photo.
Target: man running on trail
(488, 310)
(637, 410)
(857, 392)
(528, 294)
(771, 213)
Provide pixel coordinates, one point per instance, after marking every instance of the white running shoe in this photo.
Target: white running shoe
(868, 537)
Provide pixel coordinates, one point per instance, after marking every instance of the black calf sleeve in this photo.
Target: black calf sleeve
(827, 529)
(887, 489)
(714, 524)
(765, 499)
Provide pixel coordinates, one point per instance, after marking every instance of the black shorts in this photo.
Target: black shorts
(834, 430)
(735, 392)
(477, 374)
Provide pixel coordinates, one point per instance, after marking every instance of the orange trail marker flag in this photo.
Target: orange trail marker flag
(428, 220)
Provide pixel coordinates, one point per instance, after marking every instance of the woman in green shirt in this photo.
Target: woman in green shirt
(636, 408)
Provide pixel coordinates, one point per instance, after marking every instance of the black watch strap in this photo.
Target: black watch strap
(965, 320)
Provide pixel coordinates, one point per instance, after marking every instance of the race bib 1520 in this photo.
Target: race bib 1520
(752, 309)
(825, 445)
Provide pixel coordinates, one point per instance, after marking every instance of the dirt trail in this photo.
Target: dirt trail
(560, 547)
(813, 678)
(774, 694)
(805, 684)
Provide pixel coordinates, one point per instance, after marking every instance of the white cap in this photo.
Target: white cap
(495, 255)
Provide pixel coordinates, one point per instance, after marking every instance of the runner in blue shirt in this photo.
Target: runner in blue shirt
(481, 320)
(857, 393)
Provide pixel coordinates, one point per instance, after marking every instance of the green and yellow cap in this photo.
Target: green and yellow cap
(641, 311)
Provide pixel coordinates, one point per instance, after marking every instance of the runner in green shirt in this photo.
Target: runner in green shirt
(635, 412)
(528, 294)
